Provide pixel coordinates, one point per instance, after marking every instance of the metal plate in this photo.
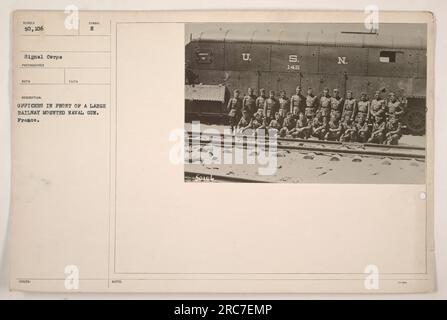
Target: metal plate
(205, 55)
(406, 64)
(294, 58)
(337, 60)
(247, 57)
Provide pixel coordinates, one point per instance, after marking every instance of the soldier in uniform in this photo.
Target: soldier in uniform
(234, 108)
(260, 101)
(255, 124)
(394, 130)
(297, 102)
(363, 108)
(249, 102)
(275, 125)
(363, 130)
(245, 120)
(270, 106)
(311, 104)
(378, 130)
(288, 125)
(349, 131)
(302, 129)
(325, 103)
(349, 107)
(336, 104)
(296, 113)
(320, 127)
(394, 106)
(260, 112)
(284, 103)
(377, 106)
(334, 129)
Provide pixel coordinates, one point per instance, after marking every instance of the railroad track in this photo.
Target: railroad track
(296, 140)
(315, 146)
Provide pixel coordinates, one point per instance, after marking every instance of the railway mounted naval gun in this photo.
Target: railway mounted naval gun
(282, 60)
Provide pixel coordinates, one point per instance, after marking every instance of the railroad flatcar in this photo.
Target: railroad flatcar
(347, 61)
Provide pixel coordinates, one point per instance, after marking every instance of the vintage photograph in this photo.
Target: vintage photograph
(121, 131)
(305, 103)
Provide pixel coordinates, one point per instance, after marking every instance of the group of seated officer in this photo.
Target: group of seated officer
(322, 117)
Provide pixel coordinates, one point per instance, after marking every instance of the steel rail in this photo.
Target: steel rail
(376, 145)
(244, 144)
